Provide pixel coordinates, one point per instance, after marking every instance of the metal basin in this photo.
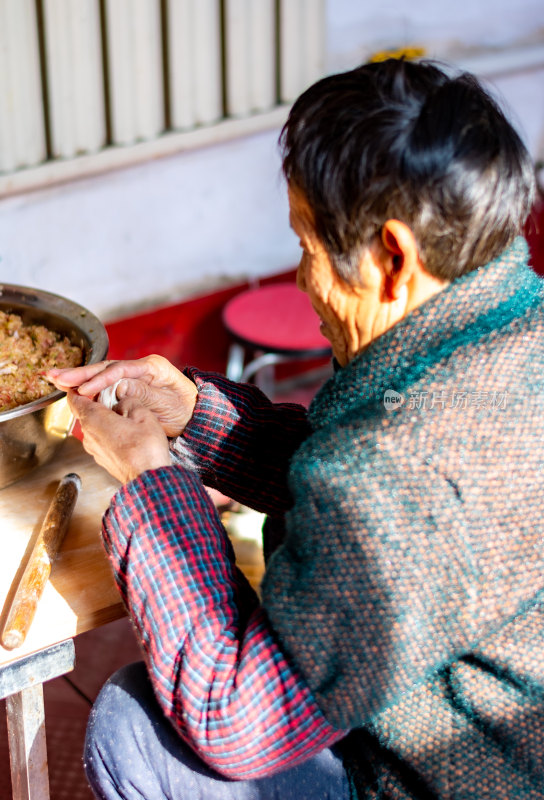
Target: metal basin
(31, 434)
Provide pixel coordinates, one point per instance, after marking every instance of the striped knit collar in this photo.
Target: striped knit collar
(484, 300)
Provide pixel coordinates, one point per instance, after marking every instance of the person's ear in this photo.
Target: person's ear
(401, 259)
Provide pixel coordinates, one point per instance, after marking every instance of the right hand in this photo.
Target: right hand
(152, 381)
(126, 441)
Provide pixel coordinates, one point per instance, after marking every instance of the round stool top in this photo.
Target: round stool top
(276, 318)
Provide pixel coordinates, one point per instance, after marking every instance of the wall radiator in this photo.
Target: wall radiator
(81, 76)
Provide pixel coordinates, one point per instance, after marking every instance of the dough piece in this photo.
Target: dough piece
(108, 396)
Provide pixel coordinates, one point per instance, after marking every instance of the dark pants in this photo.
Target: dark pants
(132, 752)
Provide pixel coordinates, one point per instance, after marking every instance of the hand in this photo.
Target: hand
(153, 381)
(126, 441)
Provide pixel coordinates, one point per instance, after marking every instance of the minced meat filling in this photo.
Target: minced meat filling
(26, 352)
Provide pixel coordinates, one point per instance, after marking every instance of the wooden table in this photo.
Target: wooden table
(79, 596)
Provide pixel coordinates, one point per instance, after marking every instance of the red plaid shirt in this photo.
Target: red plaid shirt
(218, 670)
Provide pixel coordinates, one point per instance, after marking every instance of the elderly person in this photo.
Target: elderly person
(397, 651)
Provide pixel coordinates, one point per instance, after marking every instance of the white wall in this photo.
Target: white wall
(488, 37)
(188, 223)
(357, 28)
(154, 232)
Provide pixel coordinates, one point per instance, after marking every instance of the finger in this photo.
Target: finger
(85, 378)
(89, 413)
(115, 371)
(129, 387)
(75, 376)
(77, 403)
(131, 408)
(84, 409)
(140, 390)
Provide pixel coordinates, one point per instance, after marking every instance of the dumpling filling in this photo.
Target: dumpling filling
(26, 352)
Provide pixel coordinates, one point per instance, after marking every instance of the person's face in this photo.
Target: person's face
(350, 315)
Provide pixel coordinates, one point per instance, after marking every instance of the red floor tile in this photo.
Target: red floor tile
(5, 780)
(68, 702)
(65, 722)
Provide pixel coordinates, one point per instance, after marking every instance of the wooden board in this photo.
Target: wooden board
(81, 593)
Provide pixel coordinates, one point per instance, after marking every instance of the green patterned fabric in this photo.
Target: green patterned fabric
(409, 586)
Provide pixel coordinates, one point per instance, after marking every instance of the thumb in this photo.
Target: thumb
(83, 408)
(136, 390)
(131, 407)
(78, 403)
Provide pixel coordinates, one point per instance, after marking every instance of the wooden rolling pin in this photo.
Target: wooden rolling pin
(38, 568)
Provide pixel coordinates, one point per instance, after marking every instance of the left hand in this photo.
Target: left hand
(126, 441)
(152, 381)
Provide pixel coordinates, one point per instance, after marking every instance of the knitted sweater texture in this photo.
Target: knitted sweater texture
(409, 588)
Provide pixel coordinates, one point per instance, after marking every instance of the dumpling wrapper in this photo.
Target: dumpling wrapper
(108, 396)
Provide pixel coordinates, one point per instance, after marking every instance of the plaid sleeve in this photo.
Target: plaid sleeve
(216, 666)
(241, 443)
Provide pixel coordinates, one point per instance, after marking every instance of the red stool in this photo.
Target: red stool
(273, 324)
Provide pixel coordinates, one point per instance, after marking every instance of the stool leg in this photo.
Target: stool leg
(27, 748)
(261, 369)
(235, 363)
(260, 363)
